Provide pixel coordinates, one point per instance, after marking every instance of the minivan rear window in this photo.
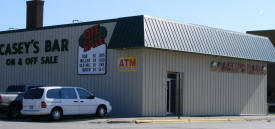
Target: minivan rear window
(34, 94)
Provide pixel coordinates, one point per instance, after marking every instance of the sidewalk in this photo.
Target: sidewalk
(174, 119)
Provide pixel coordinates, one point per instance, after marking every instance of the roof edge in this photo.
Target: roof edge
(260, 30)
(69, 25)
(203, 26)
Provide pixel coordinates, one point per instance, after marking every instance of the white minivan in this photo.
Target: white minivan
(57, 101)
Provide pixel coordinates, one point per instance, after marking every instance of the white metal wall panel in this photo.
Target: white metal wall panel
(205, 92)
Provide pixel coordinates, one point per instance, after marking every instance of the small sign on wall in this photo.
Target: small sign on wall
(233, 67)
(127, 64)
(92, 49)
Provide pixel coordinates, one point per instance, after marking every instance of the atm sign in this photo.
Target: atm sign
(127, 64)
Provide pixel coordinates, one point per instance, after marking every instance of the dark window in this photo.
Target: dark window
(68, 93)
(34, 94)
(30, 87)
(34, 86)
(17, 88)
(54, 94)
(83, 94)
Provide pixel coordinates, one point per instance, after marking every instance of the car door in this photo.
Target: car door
(87, 103)
(70, 102)
(53, 97)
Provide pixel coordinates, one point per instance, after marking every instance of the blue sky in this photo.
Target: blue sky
(236, 15)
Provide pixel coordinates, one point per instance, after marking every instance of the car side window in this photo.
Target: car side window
(68, 93)
(83, 94)
(54, 94)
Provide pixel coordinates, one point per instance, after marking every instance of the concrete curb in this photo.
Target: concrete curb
(173, 120)
(187, 120)
(120, 121)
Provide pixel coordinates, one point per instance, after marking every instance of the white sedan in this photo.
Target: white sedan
(57, 101)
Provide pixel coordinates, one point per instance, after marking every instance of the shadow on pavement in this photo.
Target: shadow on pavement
(44, 119)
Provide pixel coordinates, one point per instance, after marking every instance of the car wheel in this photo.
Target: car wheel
(14, 111)
(101, 111)
(56, 114)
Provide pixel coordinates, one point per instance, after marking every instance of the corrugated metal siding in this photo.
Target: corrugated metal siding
(205, 92)
(172, 35)
(123, 90)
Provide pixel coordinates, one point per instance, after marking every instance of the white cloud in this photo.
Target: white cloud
(261, 12)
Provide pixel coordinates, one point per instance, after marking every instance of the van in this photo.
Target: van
(58, 101)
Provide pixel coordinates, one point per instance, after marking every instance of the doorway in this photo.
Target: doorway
(171, 93)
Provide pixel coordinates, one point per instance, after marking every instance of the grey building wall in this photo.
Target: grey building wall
(205, 92)
(123, 90)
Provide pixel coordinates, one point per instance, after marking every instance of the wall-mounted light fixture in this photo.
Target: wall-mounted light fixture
(264, 68)
(214, 65)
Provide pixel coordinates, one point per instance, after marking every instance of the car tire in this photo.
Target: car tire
(56, 114)
(101, 111)
(14, 111)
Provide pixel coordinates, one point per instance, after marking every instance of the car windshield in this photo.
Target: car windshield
(35, 93)
(16, 88)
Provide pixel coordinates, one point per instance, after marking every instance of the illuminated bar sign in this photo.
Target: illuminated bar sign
(233, 67)
(127, 64)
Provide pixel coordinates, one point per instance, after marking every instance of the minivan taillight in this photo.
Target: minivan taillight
(43, 105)
(0, 99)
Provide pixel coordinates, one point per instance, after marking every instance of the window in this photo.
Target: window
(54, 94)
(83, 94)
(34, 86)
(34, 94)
(68, 93)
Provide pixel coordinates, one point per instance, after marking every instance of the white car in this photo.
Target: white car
(57, 101)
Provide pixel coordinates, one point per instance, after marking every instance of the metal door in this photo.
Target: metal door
(171, 95)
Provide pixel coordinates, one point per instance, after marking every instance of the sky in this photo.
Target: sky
(235, 15)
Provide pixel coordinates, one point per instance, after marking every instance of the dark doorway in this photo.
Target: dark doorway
(171, 93)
